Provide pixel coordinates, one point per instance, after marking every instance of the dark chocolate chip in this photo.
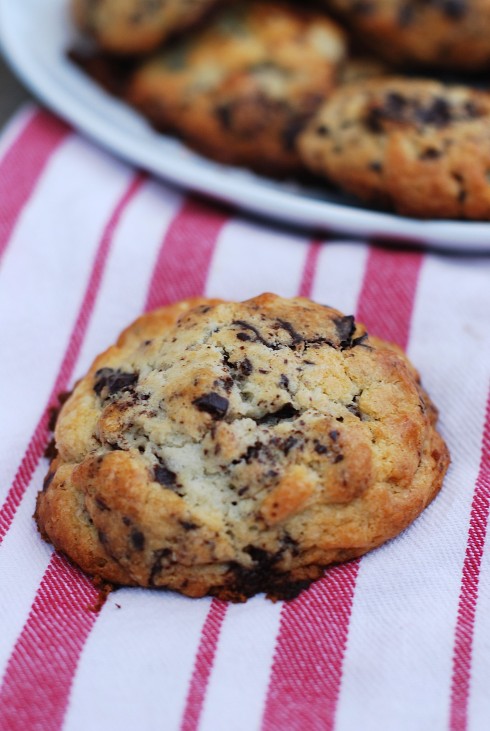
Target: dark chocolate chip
(188, 525)
(137, 539)
(430, 153)
(346, 328)
(285, 412)
(164, 476)
(51, 451)
(213, 404)
(114, 380)
(284, 381)
(321, 448)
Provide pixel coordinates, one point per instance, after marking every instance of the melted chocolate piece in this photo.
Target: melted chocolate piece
(346, 328)
(114, 381)
(285, 412)
(213, 404)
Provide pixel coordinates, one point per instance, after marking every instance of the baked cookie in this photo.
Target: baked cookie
(419, 147)
(233, 448)
(448, 34)
(136, 26)
(240, 89)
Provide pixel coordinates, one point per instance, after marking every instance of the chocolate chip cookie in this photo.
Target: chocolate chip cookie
(447, 34)
(233, 448)
(136, 26)
(419, 147)
(240, 89)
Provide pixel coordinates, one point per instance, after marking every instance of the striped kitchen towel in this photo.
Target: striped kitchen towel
(396, 641)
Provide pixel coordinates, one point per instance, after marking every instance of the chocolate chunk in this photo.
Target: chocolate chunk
(51, 451)
(295, 336)
(48, 480)
(102, 537)
(245, 367)
(188, 525)
(164, 476)
(334, 435)
(438, 113)
(161, 558)
(213, 404)
(430, 153)
(321, 448)
(288, 444)
(285, 412)
(114, 380)
(346, 328)
(255, 331)
(284, 381)
(322, 130)
(137, 539)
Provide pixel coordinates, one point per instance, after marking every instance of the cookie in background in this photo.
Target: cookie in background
(240, 89)
(419, 147)
(128, 27)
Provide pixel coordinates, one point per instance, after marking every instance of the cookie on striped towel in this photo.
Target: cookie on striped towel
(233, 448)
(240, 89)
(420, 147)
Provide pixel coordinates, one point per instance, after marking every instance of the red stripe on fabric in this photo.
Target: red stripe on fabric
(39, 674)
(203, 665)
(189, 245)
(308, 663)
(468, 597)
(22, 165)
(387, 295)
(39, 438)
(314, 627)
(306, 284)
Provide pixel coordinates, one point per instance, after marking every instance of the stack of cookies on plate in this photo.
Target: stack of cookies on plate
(277, 88)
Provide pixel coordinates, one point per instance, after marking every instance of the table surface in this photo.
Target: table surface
(12, 93)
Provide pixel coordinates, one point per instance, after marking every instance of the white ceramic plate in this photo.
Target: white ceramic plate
(35, 35)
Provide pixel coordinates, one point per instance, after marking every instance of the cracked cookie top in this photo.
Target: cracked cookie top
(230, 448)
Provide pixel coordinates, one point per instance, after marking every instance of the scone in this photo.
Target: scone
(240, 89)
(447, 34)
(419, 147)
(136, 26)
(233, 448)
